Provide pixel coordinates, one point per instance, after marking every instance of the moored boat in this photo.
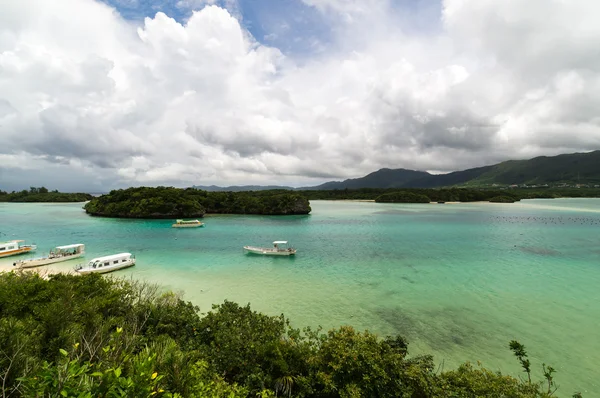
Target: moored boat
(280, 248)
(14, 248)
(187, 224)
(56, 255)
(107, 264)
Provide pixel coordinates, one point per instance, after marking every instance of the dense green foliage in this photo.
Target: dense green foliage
(168, 202)
(43, 195)
(502, 199)
(402, 197)
(455, 194)
(420, 194)
(89, 336)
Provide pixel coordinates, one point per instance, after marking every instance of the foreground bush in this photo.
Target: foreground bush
(89, 336)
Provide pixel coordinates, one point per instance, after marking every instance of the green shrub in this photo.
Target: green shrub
(91, 336)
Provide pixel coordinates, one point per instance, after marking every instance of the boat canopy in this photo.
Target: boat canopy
(67, 247)
(11, 242)
(280, 242)
(110, 258)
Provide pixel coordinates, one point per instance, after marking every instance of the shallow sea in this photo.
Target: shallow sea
(458, 280)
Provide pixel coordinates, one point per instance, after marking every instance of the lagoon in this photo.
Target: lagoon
(459, 281)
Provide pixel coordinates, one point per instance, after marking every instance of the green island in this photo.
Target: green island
(168, 202)
(93, 336)
(502, 199)
(42, 194)
(455, 194)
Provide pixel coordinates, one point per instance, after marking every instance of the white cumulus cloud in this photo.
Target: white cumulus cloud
(102, 100)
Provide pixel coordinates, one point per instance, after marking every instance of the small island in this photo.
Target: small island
(42, 194)
(439, 195)
(402, 197)
(169, 202)
(502, 199)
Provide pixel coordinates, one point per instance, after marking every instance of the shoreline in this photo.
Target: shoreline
(6, 265)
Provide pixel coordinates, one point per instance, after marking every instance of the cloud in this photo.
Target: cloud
(163, 102)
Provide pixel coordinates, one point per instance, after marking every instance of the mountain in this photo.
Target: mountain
(384, 178)
(450, 179)
(241, 188)
(573, 168)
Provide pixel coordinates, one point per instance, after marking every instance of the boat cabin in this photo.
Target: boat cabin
(68, 250)
(14, 247)
(109, 261)
(9, 246)
(187, 222)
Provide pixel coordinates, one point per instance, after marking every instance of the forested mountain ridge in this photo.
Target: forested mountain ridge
(568, 169)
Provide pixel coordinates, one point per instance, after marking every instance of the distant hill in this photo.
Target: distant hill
(575, 168)
(240, 188)
(447, 180)
(571, 169)
(384, 178)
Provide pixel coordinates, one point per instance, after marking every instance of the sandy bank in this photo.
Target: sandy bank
(6, 265)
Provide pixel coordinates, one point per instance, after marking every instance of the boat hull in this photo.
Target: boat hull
(16, 252)
(267, 251)
(187, 226)
(38, 262)
(108, 268)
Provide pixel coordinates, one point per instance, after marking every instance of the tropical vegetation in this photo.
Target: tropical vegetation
(90, 336)
(452, 194)
(502, 199)
(169, 202)
(402, 197)
(42, 194)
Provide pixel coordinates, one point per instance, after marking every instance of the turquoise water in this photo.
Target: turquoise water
(458, 280)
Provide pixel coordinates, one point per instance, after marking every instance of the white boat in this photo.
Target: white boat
(280, 248)
(107, 263)
(56, 255)
(15, 247)
(187, 224)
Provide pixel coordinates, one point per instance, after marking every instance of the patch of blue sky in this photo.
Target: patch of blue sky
(139, 9)
(289, 25)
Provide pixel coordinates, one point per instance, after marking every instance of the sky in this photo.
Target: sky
(97, 95)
